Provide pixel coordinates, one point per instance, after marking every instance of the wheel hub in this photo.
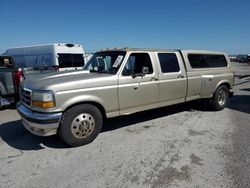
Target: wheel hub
(83, 125)
(222, 97)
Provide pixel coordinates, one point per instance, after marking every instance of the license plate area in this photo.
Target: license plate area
(6, 101)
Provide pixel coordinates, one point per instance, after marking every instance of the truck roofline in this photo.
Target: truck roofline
(127, 49)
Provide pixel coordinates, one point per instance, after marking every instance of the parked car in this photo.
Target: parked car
(242, 59)
(233, 58)
(121, 82)
(248, 59)
(62, 56)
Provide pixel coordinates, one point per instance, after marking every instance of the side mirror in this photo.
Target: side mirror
(145, 70)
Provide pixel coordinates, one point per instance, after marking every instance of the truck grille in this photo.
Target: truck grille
(25, 96)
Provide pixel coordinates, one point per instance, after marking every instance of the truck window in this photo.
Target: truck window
(5, 62)
(70, 60)
(136, 62)
(78, 60)
(65, 60)
(168, 62)
(207, 61)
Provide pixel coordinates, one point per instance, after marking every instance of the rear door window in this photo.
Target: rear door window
(70, 60)
(168, 62)
(65, 60)
(78, 60)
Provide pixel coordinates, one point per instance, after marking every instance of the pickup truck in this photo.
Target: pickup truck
(118, 82)
(10, 78)
(11, 75)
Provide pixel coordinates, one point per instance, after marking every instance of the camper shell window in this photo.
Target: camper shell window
(207, 61)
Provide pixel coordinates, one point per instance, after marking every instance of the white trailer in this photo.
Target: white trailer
(61, 56)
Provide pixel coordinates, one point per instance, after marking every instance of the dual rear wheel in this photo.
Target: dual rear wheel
(220, 98)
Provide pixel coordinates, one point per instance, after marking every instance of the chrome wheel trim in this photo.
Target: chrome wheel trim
(83, 125)
(222, 97)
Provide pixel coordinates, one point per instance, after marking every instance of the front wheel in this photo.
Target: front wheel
(80, 125)
(220, 99)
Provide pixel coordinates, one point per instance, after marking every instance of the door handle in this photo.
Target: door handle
(153, 79)
(180, 76)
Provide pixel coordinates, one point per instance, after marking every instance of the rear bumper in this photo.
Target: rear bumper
(41, 124)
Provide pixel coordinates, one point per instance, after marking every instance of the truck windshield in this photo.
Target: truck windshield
(105, 62)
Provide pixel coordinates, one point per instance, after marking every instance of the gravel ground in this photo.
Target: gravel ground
(179, 146)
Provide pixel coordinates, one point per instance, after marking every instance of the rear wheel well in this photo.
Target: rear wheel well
(99, 106)
(220, 97)
(225, 84)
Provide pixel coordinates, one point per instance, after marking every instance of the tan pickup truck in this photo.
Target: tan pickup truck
(118, 82)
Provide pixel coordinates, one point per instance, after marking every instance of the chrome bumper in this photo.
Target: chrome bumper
(41, 124)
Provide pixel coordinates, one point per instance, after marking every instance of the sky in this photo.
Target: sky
(221, 25)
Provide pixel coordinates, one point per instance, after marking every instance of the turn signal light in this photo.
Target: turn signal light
(42, 104)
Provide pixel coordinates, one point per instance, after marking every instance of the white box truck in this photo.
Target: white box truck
(60, 56)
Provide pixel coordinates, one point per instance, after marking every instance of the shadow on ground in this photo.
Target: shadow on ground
(12, 107)
(240, 103)
(16, 136)
(140, 117)
(245, 89)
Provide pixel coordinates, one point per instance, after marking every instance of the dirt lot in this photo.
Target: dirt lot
(178, 146)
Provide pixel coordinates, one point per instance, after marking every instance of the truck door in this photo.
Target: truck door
(173, 81)
(138, 87)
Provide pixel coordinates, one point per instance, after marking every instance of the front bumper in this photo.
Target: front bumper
(41, 124)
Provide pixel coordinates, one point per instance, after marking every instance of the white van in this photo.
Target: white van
(60, 56)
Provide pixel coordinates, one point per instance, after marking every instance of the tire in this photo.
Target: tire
(220, 99)
(80, 125)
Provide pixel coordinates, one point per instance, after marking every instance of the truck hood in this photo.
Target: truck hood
(68, 80)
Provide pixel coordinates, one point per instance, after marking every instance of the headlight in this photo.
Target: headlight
(43, 99)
